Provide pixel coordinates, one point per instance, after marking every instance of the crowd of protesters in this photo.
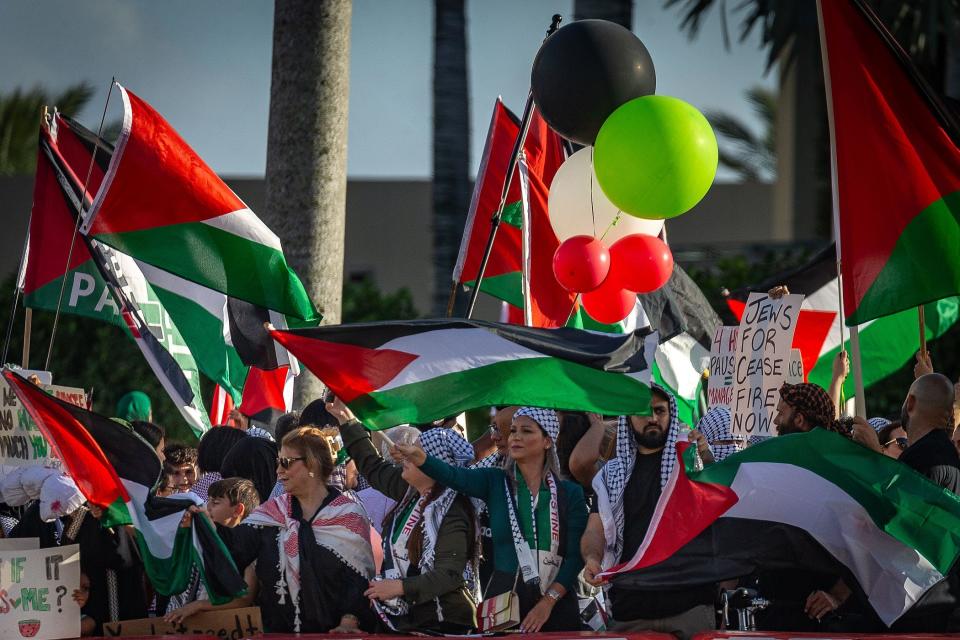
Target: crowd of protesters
(340, 529)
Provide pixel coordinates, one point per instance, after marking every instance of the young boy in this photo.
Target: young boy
(229, 501)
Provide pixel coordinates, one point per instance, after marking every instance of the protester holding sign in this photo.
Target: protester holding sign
(537, 520)
(429, 580)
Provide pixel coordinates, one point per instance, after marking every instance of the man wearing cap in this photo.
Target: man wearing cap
(802, 407)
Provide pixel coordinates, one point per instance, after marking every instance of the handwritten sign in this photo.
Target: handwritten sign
(761, 363)
(35, 593)
(230, 624)
(21, 442)
(795, 373)
(722, 363)
(19, 544)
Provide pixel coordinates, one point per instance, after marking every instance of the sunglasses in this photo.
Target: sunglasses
(900, 442)
(286, 462)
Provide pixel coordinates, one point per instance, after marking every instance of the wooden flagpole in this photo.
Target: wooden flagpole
(27, 327)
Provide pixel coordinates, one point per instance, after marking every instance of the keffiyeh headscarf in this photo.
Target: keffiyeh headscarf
(548, 421)
(878, 424)
(715, 425)
(611, 482)
(812, 401)
(450, 447)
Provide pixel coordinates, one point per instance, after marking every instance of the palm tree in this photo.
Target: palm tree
(20, 120)
(451, 144)
(306, 177)
(753, 157)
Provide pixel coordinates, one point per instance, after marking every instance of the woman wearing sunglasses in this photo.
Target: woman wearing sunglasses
(893, 439)
(311, 545)
(428, 582)
(537, 520)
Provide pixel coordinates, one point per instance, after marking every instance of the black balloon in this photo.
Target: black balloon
(584, 71)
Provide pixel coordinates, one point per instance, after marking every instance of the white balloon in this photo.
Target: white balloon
(570, 211)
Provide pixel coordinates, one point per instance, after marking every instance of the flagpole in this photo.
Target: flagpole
(508, 180)
(76, 227)
(923, 329)
(855, 364)
(27, 329)
(16, 295)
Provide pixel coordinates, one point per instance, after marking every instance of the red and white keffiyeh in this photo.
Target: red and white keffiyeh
(341, 527)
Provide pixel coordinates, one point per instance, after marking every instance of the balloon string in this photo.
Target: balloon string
(592, 214)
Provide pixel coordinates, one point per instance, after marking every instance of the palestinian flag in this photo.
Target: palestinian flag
(116, 469)
(543, 155)
(896, 169)
(892, 532)
(267, 394)
(158, 193)
(52, 223)
(224, 335)
(122, 288)
(391, 373)
(886, 343)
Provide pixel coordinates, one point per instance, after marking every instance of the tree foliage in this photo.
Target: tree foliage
(20, 112)
(752, 156)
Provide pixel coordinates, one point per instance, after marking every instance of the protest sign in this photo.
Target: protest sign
(36, 588)
(19, 544)
(722, 352)
(762, 360)
(229, 624)
(795, 373)
(21, 442)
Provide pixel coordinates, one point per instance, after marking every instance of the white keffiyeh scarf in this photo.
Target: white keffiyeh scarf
(340, 527)
(611, 482)
(715, 425)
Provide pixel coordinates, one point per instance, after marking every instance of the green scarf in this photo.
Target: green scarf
(525, 511)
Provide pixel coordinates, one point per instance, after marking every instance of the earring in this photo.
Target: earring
(310, 474)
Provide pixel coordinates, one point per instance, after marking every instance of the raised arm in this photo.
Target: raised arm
(475, 483)
(382, 476)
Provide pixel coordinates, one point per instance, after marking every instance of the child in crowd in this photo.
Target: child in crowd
(183, 461)
(229, 502)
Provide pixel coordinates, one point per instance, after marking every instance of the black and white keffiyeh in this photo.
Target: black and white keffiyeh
(548, 421)
(611, 482)
(715, 426)
(448, 446)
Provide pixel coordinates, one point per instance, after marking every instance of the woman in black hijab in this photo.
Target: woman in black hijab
(254, 459)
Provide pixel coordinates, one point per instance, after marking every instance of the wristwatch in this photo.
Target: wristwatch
(553, 594)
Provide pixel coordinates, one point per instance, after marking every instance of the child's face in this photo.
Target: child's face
(221, 511)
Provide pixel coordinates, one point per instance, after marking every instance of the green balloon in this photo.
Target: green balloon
(655, 157)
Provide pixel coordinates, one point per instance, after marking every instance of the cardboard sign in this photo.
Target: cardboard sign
(19, 544)
(36, 590)
(21, 442)
(230, 624)
(722, 362)
(763, 356)
(795, 374)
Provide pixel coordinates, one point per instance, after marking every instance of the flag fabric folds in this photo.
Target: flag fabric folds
(897, 169)
(542, 155)
(886, 343)
(123, 294)
(391, 373)
(158, 194)
(116, 469)
(892, 531)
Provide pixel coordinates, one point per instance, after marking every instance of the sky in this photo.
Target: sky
(206, 67)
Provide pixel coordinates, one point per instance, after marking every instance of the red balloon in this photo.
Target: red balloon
(581, 263)
(640, 263)
(609, 303)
